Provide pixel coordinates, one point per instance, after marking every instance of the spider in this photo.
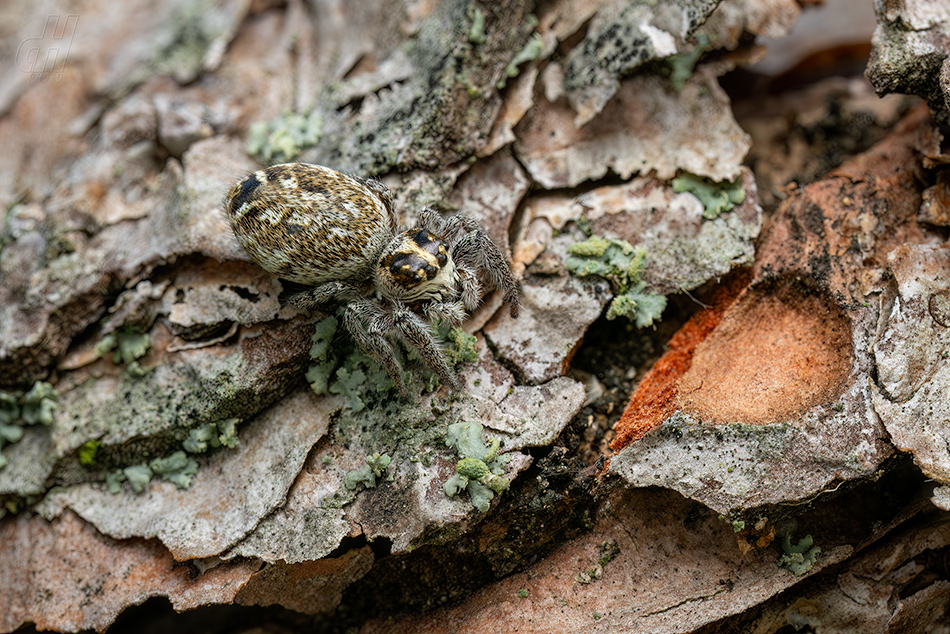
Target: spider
(338, 235)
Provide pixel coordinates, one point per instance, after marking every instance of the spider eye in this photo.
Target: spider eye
(442, 258)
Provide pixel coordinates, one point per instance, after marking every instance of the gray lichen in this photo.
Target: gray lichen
(283, 138)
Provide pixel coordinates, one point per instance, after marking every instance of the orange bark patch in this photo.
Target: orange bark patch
(656, 396)
(778, 352)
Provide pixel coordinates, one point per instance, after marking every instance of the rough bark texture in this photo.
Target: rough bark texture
(169, 429)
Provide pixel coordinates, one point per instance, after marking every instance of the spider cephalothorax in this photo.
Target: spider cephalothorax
(338, 235)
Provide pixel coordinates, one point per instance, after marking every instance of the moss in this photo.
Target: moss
(479, 472)
(368, 474)
(283, 138)
(621, 264)
(716, 197)
(88, 451)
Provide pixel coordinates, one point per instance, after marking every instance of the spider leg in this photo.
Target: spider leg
(451, 312)
(475, 250)
(369, 324)
(418, 334)
(471, 286)
(322, 294)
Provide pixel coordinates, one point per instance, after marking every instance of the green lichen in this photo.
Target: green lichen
(716, 197)
(126, 346)
(283, 138)
(608, 550)
(368, 474)
(681, 66)
(192, 31)
(480, 469)
(176, 468)
(19, 410)
(801, 557)
(138, 476)
(321, 352)
(476, 32)
(531, 51)
(216, 434)
(38, 404)
(461, 348)
(621, 264)
(522, 593)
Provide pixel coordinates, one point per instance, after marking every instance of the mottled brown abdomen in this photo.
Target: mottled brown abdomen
(311, 224)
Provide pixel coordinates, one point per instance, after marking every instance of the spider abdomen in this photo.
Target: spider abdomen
(310, 224)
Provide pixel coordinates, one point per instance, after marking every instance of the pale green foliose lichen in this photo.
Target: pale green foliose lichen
(283, 138)
(321, 352)
(531, 51)
(216, 434)
(479, 471)
(126, 346)
(476, 32)
(19, 410)
(620, 263)
(716, 197)
(801, 557)
(461, 348)
(682, 65)
(369, 473)
(176, 468)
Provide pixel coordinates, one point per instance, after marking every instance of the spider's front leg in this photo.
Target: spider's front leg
(417, 333)
(370, 324)
(451, 312)
(475, 251)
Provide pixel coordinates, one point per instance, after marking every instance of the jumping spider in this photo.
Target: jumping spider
(338, 235)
